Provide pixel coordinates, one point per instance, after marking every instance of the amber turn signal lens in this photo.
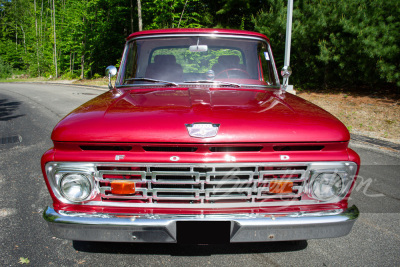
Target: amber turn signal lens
(281, 187)
(123, 187)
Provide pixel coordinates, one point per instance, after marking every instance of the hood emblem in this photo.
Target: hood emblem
(202, 129)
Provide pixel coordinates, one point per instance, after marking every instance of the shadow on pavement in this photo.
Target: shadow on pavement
(188, 250)
(7, 109)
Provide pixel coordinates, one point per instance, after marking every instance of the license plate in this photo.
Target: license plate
(203, 232)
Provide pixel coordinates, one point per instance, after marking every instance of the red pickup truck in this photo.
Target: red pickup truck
(198, 139)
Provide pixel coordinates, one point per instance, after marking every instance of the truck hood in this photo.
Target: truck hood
(160, 115)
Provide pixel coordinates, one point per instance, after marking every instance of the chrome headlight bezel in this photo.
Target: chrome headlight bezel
(57, 172)
(344, 172)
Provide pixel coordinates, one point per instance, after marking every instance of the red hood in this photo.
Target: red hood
(160, 115)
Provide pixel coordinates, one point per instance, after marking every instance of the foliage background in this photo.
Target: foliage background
(334, 43)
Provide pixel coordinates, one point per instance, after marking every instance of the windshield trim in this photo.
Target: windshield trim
(212, 84)
(198, 35)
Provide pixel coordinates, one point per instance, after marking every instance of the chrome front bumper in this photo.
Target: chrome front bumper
(163, 228)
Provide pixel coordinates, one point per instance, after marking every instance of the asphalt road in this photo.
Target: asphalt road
(28, 112)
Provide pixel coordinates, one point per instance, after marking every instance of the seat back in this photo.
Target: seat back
(227, 62)
(165, 68)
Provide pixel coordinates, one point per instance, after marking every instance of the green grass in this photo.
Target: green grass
(97, 82)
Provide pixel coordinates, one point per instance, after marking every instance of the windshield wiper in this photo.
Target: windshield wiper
(150, 80)
(215, 82)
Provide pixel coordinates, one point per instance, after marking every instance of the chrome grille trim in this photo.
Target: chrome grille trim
(141, 173)
(157, 175)
(203, 183)
(293, 172)
(229, 181)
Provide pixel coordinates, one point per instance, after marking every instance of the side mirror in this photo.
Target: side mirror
(110, 72)
(285, 72)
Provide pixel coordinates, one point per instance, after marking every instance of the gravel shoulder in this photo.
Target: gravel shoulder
(370, 115)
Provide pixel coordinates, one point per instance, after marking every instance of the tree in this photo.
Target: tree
(55, 39)
(335, 43)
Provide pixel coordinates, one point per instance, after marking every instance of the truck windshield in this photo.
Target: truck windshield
(190, 59)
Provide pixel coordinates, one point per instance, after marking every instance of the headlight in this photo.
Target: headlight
(331, 181)
(327, 186)
(75, 187)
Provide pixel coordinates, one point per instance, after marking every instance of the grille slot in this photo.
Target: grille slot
(228, 195)
(170, 149)
(175, 194)
(202, 184)
(106, 148)
(235, 169)
(183, 186)
(229, 177)
(235, 148)
(169, 169)
(298, 148)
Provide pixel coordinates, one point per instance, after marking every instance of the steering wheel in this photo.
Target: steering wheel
(237, 73)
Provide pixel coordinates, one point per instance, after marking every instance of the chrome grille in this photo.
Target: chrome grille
(201, 184)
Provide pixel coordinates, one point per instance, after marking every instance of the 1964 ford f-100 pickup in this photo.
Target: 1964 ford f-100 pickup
(198, 139)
